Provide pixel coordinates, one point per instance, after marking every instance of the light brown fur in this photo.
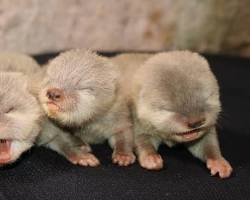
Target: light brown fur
(20, 111)
(167, 92)
(91, 107)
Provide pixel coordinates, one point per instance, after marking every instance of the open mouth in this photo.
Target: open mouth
(190, 134)
(5, 145)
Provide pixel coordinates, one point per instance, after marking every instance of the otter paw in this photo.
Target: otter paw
(84, 159)
(123, 158)
(151, 161)
(219, 166)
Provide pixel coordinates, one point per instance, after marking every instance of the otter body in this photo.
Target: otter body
(174, 99)
(81, 96)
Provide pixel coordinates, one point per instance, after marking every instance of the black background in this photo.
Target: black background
(43, 174)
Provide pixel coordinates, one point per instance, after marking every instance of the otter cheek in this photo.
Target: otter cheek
(5, 154)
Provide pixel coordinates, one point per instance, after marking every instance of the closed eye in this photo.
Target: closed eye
(87, 89)
(9, 110)
(164, 108)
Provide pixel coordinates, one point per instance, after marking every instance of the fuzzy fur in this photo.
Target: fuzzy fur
(167, 91)
(91, 108)
(20, 111)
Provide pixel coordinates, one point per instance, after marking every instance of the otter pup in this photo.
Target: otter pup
(19, 109)
(81, 96)
(175, 99)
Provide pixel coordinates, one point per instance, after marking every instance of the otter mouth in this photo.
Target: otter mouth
(53, 106)
(5, 146)
(190, 134)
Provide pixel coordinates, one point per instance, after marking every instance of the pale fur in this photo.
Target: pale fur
(195, 88)
(20, 111)
(165, 87)
(93, 109)
(18, 62)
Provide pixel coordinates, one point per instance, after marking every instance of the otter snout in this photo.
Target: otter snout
(55, 94)
(195, 122)
(191, 122)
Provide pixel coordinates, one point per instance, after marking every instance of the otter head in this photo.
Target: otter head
(178, 96)
(78, 86)
(19, 116)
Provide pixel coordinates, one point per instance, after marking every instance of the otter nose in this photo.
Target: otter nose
(196, 122)
(55, 94)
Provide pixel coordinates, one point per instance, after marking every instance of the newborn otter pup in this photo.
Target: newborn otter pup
(81, 96)
(175, 99)
(19, 110)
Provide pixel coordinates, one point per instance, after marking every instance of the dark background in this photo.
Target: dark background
(42, 174)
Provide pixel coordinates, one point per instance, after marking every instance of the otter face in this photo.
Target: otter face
(19, 115)
(78, 86)
(180, 101)
(180, 124)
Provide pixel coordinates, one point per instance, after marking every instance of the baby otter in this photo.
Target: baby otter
(19, 109)
(175, 99)
(81, 96)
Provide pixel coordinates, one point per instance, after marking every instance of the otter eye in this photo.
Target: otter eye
(87, 89)
(9, 110)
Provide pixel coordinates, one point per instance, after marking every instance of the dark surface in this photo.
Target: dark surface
(43, 174)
